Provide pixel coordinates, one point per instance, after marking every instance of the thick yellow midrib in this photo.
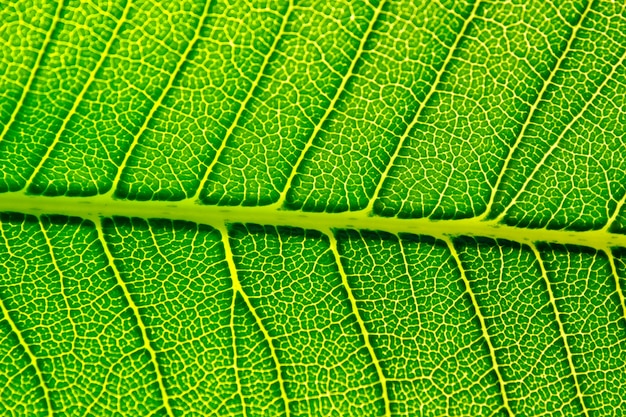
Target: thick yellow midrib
(217, 216)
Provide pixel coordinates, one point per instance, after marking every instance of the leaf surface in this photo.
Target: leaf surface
(263, 208)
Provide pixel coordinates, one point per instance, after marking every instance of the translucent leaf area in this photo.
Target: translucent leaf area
(312, 208)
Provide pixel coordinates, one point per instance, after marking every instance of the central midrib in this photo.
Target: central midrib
(216, 216)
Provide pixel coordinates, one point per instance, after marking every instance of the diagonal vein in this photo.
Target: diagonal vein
(61, 279)
(81, 94)
(556, 143)
(25, 345)
(618, 208)
(234, 348)
(246, 100)
(568, 351)
(618, 287)
(35, 70)
(331, 106)
(433, 88)
(535, 105)
(483, 325)
(135, 311)
(157, 104)
(360, 322)
(238, 290)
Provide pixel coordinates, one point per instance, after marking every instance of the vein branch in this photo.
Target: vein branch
(61, 279)
(433, 88)
(238, 290)
(535, 105)
(246, 100)
(360, 322)
(26, 346)
(157, 104)
(557, 315)
(234, 348)
(483, 325)
(618, 209)
(331, 106)
(31, 356)
(79, 98)
(556, 143)
(618, 287)
(135, 310)
(35, 70)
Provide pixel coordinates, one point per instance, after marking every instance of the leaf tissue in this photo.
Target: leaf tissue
(312, 208)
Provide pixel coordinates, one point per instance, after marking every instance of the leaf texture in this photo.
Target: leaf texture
(261, 208)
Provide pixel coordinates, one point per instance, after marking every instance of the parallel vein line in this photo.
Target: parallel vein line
(35, 70)
(556, 143)
(81, 95)
(618, 208)
(483, 325)
(246, 100)
(157, 104)
(618, 287)
(135, 310)
(31, 357)
(235, 355)
(433, 88)
(544, 275)
(61, 279)
(331, 106)
(26, 346)
(360, 322)
(238, 289)
(535, 105)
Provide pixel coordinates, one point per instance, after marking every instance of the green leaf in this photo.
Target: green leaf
(348, 207)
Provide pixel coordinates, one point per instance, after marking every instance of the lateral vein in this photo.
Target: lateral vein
(568, 351)
(81, 94)
(483, 325)
(238, 289)
(157, 104)
(26, 346)
(244, 103)
(360, 322)
(433, 88)
(135, 310)
(35, 70)
(535, 105)
(331, 106)
(555, 145)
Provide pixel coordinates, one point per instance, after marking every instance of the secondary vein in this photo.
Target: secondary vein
(568, 351)
(444, 66)
(135, 310)
(238, 289)
(331, 106)
(483, 325)
(360, 322)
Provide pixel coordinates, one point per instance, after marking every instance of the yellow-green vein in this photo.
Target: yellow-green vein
(33, 73)
(157, 104)
(238, 289)
(331, 106)
(433, 87)
(81, 94)
(483, 325)
(244, 103)
(360, 322)
(557, 316)
(135, 310)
